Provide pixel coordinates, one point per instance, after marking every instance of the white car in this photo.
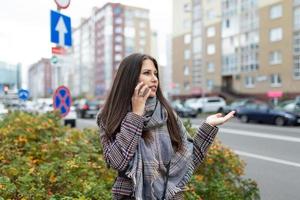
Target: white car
(207, 104)
(71, 117)
(3, 110)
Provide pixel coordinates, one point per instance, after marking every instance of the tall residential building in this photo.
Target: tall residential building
(101, 41)
(10, 77)
(249, 47)
(182, 70)
(40, 79)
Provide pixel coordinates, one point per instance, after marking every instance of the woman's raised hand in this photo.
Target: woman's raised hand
(138, 100)
(218, 119)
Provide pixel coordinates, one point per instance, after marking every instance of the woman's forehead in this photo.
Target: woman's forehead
(148, 64)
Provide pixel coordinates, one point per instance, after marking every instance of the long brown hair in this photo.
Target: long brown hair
(119, 99)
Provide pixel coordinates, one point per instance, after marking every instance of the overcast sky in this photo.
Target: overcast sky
(25, 25)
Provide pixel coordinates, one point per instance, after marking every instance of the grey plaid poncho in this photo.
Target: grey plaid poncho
(148, 166)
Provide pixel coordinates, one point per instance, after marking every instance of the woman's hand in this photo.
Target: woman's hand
(218, 119)
(138, 100)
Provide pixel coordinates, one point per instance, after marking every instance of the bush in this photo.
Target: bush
(41, 159)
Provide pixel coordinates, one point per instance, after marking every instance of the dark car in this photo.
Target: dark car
(86, 108)
(237, 103)
(265, 113)
(183, 111)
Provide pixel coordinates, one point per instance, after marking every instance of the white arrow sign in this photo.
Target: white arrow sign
(62, 30)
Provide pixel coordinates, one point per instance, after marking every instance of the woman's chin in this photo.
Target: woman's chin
(152, 94)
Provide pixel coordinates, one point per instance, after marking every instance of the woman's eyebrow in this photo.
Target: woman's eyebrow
(149, 70)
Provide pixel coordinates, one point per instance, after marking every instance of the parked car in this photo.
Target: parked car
(86, 108)
(3, 110)
(70, 118)
(207, 104)
(264, 113)
(183, 111)
(237, 103)
(290, 106)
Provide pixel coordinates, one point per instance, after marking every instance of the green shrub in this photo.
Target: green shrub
(41, 159)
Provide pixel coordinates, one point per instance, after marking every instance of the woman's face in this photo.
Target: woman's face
(149, 76)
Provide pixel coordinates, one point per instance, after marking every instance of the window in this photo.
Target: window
(210, 67)
(297, 67)
(297, 18)
(276, 11)
(118, 48)
(187, 38)
(211, 31)
(197, 28)
(186, 71)
(227, 23)
(275, 57)
(118, 57)
(118, 38)
(249, 82)
(118, 29)
(187, 7)
(129, 32)
(118, 20)
(197, 45)
(275, 80)
(211, 49)
(187, 54)
(275, 34)
(210, 85)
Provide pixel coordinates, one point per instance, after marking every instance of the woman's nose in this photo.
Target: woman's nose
(154, 77)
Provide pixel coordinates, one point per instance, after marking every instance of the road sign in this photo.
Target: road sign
(62, 3)
(54, 59)
(61, 32)
(23, 94)
(58, 50)
(62, 100)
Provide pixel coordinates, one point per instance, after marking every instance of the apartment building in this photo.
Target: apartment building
(10, 77)
(40, 79)
(103, 40)
(182, 71)
(249, 47)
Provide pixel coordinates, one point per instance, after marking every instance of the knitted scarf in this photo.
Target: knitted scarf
(148, 167)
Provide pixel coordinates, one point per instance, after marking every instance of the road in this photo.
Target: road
(271, 154)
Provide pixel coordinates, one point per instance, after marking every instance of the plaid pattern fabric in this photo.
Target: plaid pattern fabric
(122, 153)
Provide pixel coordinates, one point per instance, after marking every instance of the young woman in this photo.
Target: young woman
(143, 138)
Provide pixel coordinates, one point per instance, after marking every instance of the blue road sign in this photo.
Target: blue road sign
(23, 94)
(61, 32)
(62, 100)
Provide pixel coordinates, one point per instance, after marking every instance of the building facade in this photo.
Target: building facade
(101, 41)
(182, 70)
(248, 47)
(10, 77)
(40, 79)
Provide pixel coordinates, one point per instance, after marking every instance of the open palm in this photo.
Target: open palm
(219, 119)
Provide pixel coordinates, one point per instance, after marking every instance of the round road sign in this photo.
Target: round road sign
(63, 4)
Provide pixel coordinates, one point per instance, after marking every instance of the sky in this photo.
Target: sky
(25, 26)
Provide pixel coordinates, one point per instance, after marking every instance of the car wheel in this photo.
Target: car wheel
(244, 118)
(279, 121)
(220, 110)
